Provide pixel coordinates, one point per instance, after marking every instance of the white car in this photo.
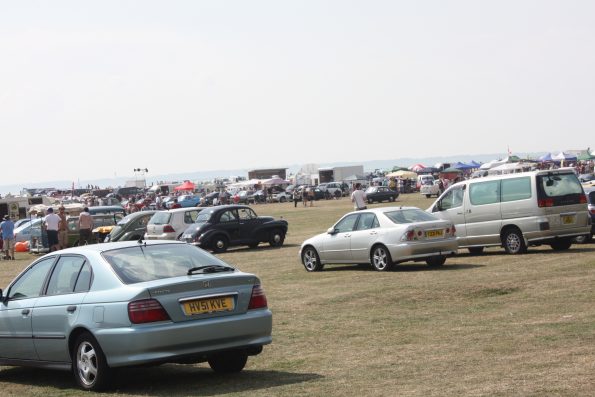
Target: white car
(430, 190)
(281, 197)
(382, 237)
(171, 224)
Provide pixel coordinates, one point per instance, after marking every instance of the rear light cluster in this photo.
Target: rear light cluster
(583, 199)
(168, 229)
(258, 300)
(545, 202)
(146, 311)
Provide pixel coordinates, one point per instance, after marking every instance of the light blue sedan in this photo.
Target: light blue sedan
(94, 308)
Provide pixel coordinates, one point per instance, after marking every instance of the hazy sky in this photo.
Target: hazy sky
(96, 89)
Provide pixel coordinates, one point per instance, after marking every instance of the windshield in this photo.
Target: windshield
(409, 215)
(154, 262)
(26, 225)
(203, 216)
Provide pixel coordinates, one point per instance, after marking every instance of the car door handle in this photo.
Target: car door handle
(25, 312)
(347, 235)
(71, 309)
(373, 233)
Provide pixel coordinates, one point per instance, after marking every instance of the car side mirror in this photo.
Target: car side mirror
(331, 230)
(437, 207)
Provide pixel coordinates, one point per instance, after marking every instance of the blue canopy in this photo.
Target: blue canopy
(546, 157)
(474, 164)
(462, 166)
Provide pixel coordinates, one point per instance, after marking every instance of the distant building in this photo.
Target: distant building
(267, 173)
(339, 174)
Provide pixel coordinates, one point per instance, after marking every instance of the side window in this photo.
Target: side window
(143, 221)
(346, 224)
(516, 189)
(83, 281)
(227, 216)
(452, 199)
(367, 221)
(29, 284)
(190, 216)
(65, 274)
(482, 193)
(246, 213)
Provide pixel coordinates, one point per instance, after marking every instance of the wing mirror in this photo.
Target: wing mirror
(331, 230)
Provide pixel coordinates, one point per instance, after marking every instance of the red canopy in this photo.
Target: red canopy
(187, 185)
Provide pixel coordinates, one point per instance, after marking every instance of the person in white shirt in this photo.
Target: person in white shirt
(358, 198)
(52, 224)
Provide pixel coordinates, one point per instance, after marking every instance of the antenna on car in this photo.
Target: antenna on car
(140, 240)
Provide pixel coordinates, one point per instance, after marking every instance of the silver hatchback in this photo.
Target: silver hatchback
(170, 224)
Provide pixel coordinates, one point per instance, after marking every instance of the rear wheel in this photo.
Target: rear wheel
(561, 245)
(276, 238)
(89, 365)
(282, 199)
(428, 195)
(513, 242)
(380, 258)
(475, 250)
(311, 260)
(229, 361)
(220, 244)
(435, 261)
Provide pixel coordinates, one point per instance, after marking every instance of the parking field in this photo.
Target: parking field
(494, 324)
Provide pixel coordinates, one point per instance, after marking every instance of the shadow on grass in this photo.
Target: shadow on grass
(402, 267)
(165, 380)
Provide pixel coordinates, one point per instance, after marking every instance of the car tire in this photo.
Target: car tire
(89, 365)
(370, 201)
(253, 245)
(475, 250)
(282, 200)
(392, 199)
(428, 195)
(436, 261)
(561, 244)
(219, 244)
(513, 242)
(276, 238)
(311, 260)
(380, 258)
(228, 361)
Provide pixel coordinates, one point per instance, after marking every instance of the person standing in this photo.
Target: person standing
(358, 198)
(296, 197)
(62, 228)
(7, 227)
(52, 224)
(85, 227)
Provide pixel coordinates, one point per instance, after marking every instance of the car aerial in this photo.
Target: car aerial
(170, 224)
(131, 227)
(220, 227)
(380, 194)
(381, 237)
(97, 308)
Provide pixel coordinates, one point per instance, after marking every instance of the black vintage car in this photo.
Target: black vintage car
(220, 227)
(380, 194)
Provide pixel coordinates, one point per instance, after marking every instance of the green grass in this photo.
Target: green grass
(493, 324)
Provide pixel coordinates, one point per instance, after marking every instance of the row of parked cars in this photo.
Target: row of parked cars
(96, 308)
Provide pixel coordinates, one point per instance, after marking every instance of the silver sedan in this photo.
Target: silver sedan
(382, 237)
(94, 308)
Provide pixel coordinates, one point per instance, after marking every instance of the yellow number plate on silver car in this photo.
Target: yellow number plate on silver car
(568, 219)
(434, 233)
(210, 305)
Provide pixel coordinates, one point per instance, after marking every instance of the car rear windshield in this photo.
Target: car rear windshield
(154, 262)
(409, 215)
(160, 218)
(563, 189)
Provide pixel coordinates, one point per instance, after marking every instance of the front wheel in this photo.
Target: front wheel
(276, 238)
(311, 260)
(428, 195)
(229, 361)
(220, 244)
(89, 365)
(513, 242)
(381, 259)
(561, 245)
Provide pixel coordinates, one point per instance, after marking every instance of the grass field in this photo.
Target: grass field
(489, 325)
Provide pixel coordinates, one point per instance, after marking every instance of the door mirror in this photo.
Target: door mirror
(331, 230)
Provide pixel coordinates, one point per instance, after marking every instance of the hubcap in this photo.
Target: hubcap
(277, 238)
(379, 259)
(87, 363)
(513, 242)
(220, 244)
(310, 260)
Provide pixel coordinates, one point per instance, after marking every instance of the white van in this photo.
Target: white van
(516, 210)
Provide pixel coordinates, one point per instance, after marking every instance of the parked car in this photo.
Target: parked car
(245, 196)
(380, 193)
(97, 308)
(333, 189)
(220, 227)
(131, 227)
(432, 189)
(516, 210)
(586, 177)
(170, 224)
(102, 226)
(188, 200)
(381, 237)
(209, 198)
(281, 197)
(24, 231)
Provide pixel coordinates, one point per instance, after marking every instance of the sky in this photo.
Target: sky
(97, 89)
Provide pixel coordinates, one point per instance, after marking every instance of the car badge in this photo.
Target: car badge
(206, 284)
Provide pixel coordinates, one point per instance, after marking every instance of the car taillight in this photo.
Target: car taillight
(545, 202)
(592, 211)
(168, 229)
(258, 300)
(146, 311)
(409, 235)
(583, 199)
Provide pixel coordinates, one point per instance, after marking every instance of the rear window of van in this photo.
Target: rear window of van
(563, 189)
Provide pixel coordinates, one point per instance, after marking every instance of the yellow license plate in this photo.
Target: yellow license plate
(567, 219)
(210, 305)
(434, 233)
